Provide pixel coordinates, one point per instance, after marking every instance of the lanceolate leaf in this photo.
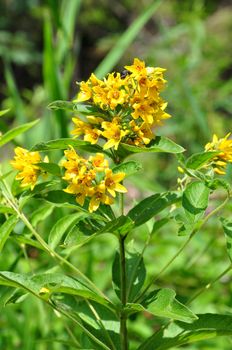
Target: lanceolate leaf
(159, 144)
(53, 282)
(107, 328)
(227, 227)
(197, 160)
(120, 226)
(81, 108)
(206, 327)
(40, 214)
(195, 197)
(6, 229)
(162, 303)
(65, 143)
(194, 201)
(151, 206)
(3, 112)
(11, 134)
(51, 168)
(62, 226)
(6, 210)
(135, 275)
(129, 168)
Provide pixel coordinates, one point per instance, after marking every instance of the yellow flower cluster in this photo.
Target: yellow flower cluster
(224, 146)
(25, 162)
(129, 106)
(91, 178)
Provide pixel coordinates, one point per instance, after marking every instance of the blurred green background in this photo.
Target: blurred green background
(45, 47)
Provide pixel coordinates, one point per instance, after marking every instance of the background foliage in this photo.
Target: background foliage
(45, 46)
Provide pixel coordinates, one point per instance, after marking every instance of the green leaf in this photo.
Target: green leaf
(151, 206)
(195, 197)
(14, 94)
(54, 282)
(196, 161)
(129, 168)
(6, 210)
(207, 326)
(60, 198)
(3, 112)
(65, 143)
(40, 214)
(194, 202)
(11, 134)
(60, 104)
(135, 275)
(63, 225)
(120, 226)
(51, 73)
(227, 227)
(6, 229)
(79, 108)
(22, 239)
(106, 327)
(162, 303)
(158, 224)
(51, 168)
(159, 144)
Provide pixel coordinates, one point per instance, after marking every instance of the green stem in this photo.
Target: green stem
(10, 199)
(195, 230)
(209, 285)
(123, 317)
(195, 296)
(123, 283)
(122, 203)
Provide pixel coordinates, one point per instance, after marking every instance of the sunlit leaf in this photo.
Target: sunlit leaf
(207, 326)
(11, 134)
(162, 303)
(135, 275)
(6, 229)
(198, 160)
(51, 168)
(63, 225)
(159, 144)
(129, 168)
(65, 143)
(151, 206)
(195, 197)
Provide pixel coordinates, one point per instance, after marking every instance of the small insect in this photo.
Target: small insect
(124, 73)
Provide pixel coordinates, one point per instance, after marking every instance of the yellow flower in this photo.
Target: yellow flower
(116, 97)
(144, 110)
(85, 92)
(142, 134)
(100, 96)
(25, 162)
(113, 133)
(99, 162)
(80, 127)
(112, 182)
(120, 99)
(94, 120)
(137, 68)
(92, 135)
(224, 146)
(80, 191)
(84, 182)
(94, 81)
(98, 196)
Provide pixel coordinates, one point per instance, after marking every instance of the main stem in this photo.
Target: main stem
(123, 316)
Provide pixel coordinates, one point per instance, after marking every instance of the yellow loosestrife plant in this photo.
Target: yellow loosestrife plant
(113, 118)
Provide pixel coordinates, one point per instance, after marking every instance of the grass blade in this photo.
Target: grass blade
(125, 40)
